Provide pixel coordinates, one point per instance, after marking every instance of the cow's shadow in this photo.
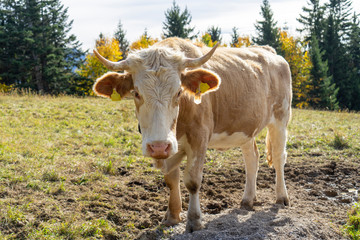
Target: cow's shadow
(235, 224)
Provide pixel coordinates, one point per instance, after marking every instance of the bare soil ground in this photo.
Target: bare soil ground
(319, 193)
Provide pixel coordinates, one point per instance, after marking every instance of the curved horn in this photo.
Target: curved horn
(197, 62)
(114, 66)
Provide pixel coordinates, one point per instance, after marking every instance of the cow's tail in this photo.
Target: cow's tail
(268, 150)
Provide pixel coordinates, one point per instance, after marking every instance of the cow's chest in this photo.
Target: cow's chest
(224, 140)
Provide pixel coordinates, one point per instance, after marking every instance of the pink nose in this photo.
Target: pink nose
(159, 150)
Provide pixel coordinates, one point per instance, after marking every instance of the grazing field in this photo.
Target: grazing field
(72, 168)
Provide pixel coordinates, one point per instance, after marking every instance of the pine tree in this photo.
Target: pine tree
(177, 24)
(41, 54)
(13, 40)
(312, 20)
(354, 60)
(335, 41)
(234, 36)
(120, 37)
(323, 92)
(215, 33)
(267, 31)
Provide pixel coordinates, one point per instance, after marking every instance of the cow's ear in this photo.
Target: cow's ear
(121, 82)
(199, 82)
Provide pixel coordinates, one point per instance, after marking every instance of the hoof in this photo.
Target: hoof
(247, 205)
(284, 201)
(193, 226)
(169, 221)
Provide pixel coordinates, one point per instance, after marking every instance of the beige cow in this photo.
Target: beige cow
(184, 108)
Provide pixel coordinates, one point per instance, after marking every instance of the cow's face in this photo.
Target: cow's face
(156, 96)
(157, 83)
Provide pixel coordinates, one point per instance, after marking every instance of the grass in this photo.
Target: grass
(70, 168)
(352, 227)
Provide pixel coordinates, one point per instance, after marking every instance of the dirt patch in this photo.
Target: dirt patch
(321, 193)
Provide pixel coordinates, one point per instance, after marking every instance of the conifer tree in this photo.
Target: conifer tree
(120, 37)
(354, 60)
(267, 31)
(39, 51)
(335, 40)
(323, 92)
(215, 33)
(234, 36)
(312, 20)
(177, 23)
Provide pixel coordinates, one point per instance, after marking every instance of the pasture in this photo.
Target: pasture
(72, 168)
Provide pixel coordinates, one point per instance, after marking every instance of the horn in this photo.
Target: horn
(197, 62)
(114, 66)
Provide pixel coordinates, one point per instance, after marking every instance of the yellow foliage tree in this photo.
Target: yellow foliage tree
(242, 42)
(206, 39)
(5, 88)
(299, 60)
(93, 68)
(144, 42)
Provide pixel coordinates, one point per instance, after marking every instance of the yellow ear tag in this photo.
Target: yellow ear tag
(115, 96)
(204, 87)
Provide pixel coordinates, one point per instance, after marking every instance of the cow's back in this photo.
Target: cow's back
(256, 85)
(255, 88)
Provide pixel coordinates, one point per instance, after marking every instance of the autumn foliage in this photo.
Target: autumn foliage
(144, 41)
(298, 58)
(206, 39)
(242, 42)
(93, 68)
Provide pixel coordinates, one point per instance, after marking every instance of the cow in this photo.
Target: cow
(189, 98)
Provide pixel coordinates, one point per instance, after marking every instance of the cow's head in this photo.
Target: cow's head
(156, 78)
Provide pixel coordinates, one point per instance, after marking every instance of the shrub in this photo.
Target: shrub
(339, 142)
(5, 88)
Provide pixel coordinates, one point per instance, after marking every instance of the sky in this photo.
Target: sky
(92, 17)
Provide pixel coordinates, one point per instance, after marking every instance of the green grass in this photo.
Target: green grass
(352, 227)
(71, 167)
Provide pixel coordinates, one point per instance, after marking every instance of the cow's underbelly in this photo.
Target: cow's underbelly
(224, 140)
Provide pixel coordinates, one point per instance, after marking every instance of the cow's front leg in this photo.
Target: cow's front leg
(172, 180)
(251, 158)
(192, 178)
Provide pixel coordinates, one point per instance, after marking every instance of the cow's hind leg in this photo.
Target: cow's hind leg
(172, 180)
(251, 158)
(276, 144)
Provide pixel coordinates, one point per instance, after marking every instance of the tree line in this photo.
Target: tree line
(37, 51)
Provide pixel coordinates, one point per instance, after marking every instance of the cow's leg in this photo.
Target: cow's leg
(192, 178)
(251, 158)
(277, 140)
(172, 180)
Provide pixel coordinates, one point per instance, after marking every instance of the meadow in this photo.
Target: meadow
(72, 168)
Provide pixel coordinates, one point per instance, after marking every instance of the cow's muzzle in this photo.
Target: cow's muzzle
(159, 149)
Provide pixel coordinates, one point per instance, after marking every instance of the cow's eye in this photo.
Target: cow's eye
(179, 93)
(135, 94)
